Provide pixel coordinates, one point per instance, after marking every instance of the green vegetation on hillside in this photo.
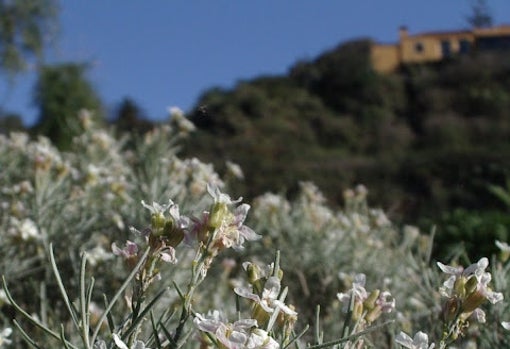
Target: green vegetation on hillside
(426, 139)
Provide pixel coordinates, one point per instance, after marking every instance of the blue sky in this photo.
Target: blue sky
(166, 53)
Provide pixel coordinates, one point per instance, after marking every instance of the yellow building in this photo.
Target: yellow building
(436, 46)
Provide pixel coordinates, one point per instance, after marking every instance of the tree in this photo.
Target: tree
(130, 117)
(481, 15)
(60, 93)
(25, 26)
(10, 122)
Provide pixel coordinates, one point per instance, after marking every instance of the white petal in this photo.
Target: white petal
(479, 314)
(246, 293)
(447, 269)
(404, 340)
(495, 297)
(503, 246)
(118, 342)
(421, 340)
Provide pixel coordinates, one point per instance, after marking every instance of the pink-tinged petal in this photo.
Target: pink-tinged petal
(477, 268)
(404, 340)
(129, 251)
(245, 323)
(205, 324)
(479, 315)
(283, 307)
(249, 234)
(449, 269)
(246, 293)
(495, 297)
(272, 288)
(168, 255)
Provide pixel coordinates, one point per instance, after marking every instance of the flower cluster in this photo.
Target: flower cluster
(365, 307)
(465, 290)
(243, 333)
(420, 341)
(221, 227)
(267, 297)
(214, 231)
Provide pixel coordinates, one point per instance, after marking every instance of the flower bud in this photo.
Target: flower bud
(218, 213)
(357, 310)
(369, 303)
(259, 314)
(459, 286)
(158, 222)
(373, 314)
(279, 274)
(451, 309)
(471, 285)
(473, 301)
(253, 272)
(172, 234)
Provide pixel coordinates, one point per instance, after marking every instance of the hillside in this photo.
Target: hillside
(424, 140)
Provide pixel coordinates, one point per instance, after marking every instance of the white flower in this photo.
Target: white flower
(420, 341)
(503, 246)
(25, 229)
(474, 269)
(129, 251)
(232, 336)
(156, 208)
(6, 332)
(483, 278)
(235, 170)
(358, 291)
(167, 254)
(506, 325)
(270, 204)
(158, 211)
(231, 232)
(183, 123)
(120, 344)
(269, 300)
(220, 197)
(260, 339)
(175, 111)
(97, 255)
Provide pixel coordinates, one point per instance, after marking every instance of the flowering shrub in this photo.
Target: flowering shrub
(88, 263)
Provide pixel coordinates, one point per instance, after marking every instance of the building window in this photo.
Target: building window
(418, 47)
(464, 46)
(446, 48)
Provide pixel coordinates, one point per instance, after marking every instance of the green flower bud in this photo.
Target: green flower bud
(471, 285)
(373, 314)
(357, 311)
(158, 222)
(369, 303)
(279, 274)
(218, 213)
(459, 286)
(253, 272)
(173, 235)
(260, 314)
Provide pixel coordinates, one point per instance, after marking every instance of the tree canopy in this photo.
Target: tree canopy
(61, 91)
(26, 26)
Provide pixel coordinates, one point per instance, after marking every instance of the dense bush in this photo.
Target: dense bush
(191, 263)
